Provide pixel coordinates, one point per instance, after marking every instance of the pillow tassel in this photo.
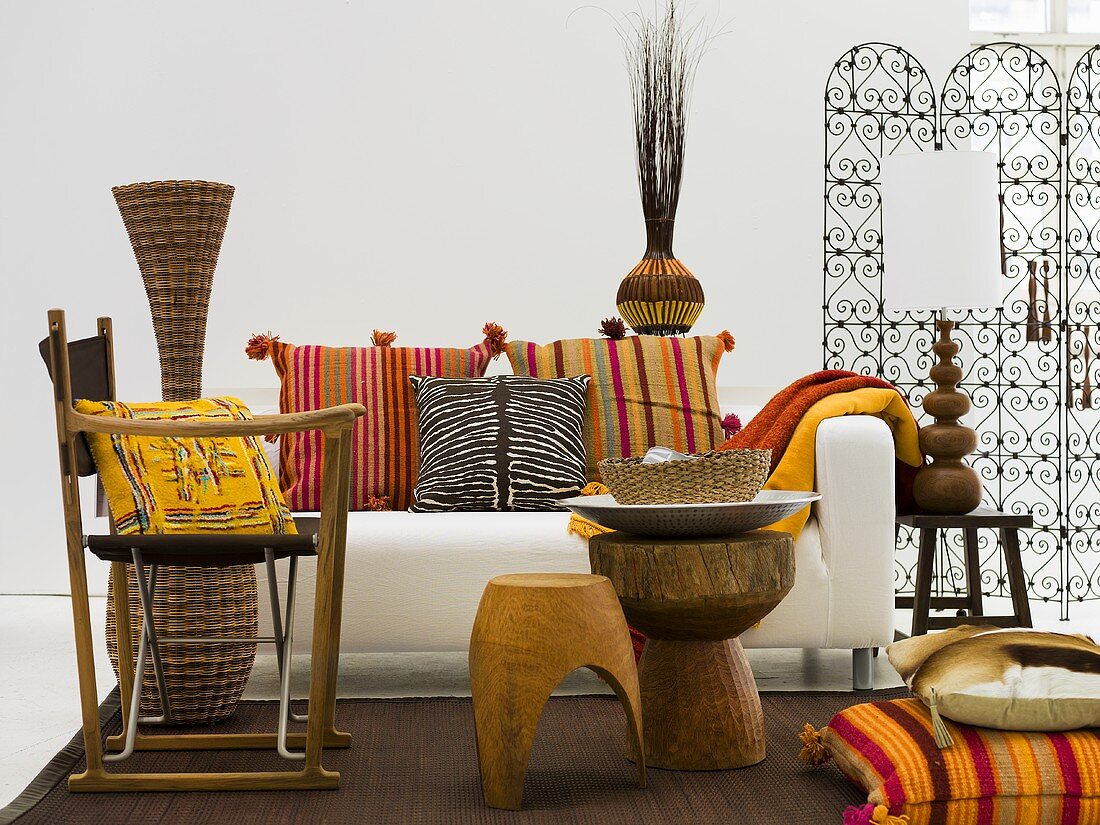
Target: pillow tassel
(613, 328)
(259, 346)
(939, 729)
(496, 337)
(731, 425)
(870, 814)
(381, 338)
(813, 751)
(728, 341)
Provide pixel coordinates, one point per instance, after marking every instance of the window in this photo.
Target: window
(1082, 16)
(1060, 30)
(1009, 15)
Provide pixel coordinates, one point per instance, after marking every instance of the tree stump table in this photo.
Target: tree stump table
(692, 598)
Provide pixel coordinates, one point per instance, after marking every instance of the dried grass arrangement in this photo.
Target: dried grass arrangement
(661, 296)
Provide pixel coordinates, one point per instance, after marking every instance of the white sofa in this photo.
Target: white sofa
(413, 580)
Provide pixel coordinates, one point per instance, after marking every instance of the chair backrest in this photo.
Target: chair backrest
(91, 376)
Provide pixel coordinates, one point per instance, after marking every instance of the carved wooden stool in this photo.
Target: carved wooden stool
(531, 631)
(692, 598)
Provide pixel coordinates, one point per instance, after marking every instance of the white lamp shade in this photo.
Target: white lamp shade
(941, 231)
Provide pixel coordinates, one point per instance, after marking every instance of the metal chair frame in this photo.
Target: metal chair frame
(282, 639)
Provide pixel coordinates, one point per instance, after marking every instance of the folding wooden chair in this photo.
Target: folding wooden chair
(88, 366)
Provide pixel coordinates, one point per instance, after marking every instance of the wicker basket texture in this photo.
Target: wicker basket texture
(711, 477)
(176, 229)
(205, 681)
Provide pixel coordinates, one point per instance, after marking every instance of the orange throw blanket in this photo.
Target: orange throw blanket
(775, 426)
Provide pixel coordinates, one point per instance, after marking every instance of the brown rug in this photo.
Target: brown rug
(414, 761)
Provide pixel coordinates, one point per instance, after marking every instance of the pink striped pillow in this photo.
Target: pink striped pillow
(645, 390)
(385, 450)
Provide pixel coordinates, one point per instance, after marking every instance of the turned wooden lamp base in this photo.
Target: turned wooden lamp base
(947, 486)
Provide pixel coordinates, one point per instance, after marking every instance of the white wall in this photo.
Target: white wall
(422, 167)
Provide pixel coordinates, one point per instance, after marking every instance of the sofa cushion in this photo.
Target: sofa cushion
(384, 445)
(888, 749)
(645, 390)
(500, 443)
(186, 485)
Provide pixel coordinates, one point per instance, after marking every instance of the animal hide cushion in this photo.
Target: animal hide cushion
(1009, 679)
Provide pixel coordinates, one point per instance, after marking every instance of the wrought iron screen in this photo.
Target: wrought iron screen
(1027, 365)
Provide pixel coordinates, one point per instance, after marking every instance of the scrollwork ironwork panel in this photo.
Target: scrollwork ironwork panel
(878, 100)
(1081, 572)
(1030, 367)
(1004, 98)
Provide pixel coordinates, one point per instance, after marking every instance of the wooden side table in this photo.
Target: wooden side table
(923, 601)
(692, 598)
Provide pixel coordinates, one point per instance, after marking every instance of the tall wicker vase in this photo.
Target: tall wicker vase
(176, 230)
(660, 296)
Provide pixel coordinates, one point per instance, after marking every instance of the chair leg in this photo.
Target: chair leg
(131, 715)
(124, 638)
(148, 643)
(146, 589)
(85, 658)
(285, 646)
(273, 601)
(341, 447)
(328, 599)
(863, 669)
(281, 634)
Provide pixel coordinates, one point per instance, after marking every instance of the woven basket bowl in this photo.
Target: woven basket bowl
(729, 475)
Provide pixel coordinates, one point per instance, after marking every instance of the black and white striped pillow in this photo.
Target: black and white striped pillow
(500, 443)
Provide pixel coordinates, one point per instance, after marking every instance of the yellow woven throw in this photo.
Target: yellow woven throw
(795, 470)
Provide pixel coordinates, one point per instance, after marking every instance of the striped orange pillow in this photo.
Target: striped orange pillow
(385, 452)
(987, 776)
(645, 390)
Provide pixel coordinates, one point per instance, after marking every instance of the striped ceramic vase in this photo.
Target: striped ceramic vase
(660, 296)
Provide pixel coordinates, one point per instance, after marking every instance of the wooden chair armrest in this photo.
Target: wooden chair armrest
(330, 419)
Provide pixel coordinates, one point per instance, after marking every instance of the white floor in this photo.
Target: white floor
(39, 711)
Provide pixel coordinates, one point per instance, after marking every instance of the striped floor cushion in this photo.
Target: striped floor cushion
(986, 777)
(645, 390)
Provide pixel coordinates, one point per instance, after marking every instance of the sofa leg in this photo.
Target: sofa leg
(863, 669)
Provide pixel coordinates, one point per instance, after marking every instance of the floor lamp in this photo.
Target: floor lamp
(942, 250)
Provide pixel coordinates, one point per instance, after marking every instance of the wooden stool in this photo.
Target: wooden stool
(531, 631)
(692, 598)
(923, 601)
